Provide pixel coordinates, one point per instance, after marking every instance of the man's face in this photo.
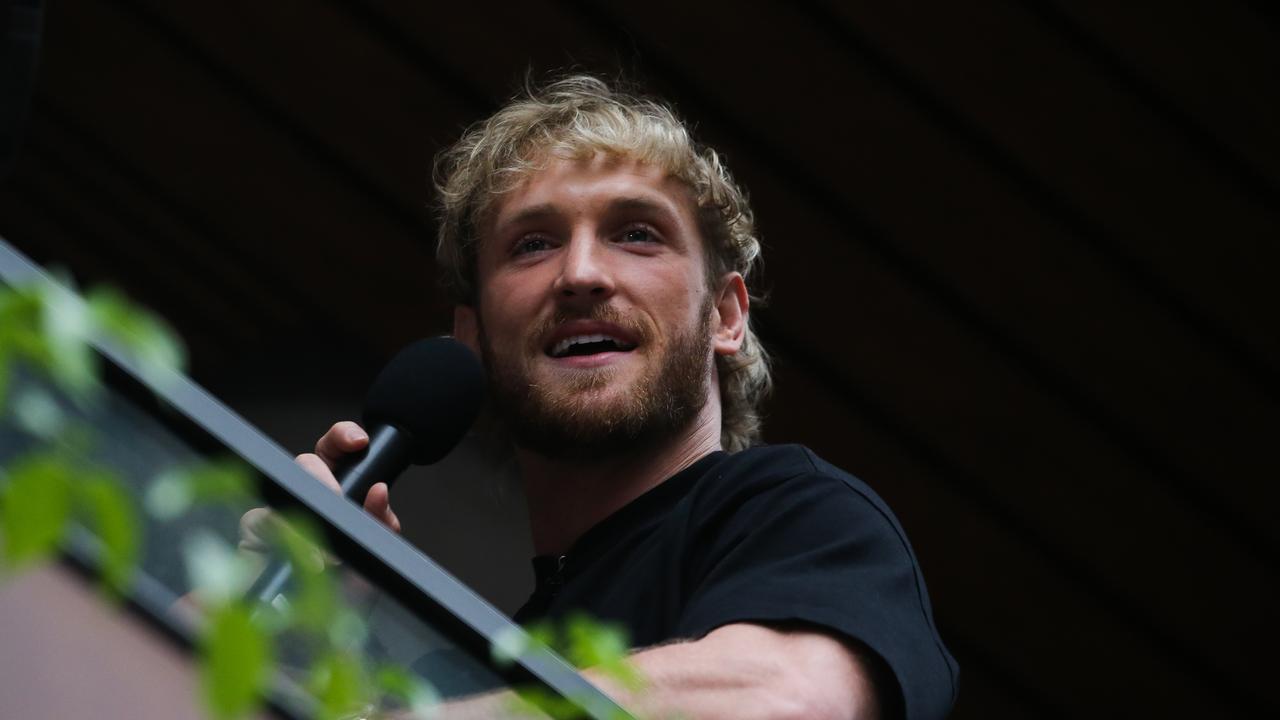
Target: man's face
(594, 317)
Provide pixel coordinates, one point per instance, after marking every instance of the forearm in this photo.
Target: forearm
(697, 691)
(744, 672)
(738, 672)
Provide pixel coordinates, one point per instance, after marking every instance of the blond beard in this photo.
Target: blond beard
(570, 419)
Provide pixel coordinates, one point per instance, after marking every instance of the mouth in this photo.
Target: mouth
(584, 345)
(586, 339)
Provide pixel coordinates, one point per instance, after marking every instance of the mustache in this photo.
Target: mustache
(634, 324)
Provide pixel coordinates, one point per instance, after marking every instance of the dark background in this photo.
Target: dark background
(1020, 258)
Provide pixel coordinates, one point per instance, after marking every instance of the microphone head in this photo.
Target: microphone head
(432, 390)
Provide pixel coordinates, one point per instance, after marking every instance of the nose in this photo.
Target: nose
(584, 270)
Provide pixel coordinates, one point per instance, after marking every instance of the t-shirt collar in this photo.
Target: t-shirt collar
(603, 534)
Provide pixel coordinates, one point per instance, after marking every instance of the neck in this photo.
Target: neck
(567, 497)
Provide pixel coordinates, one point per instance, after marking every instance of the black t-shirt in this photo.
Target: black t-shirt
(772, 534)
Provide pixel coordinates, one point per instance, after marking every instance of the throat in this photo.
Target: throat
(566, 498)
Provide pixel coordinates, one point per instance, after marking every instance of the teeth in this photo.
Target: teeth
(563, 346)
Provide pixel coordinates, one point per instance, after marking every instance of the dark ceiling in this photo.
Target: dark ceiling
(1020, 259)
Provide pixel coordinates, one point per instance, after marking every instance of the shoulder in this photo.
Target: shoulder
(789, 500)
(769, 465)
(791, 537)
(790, 474)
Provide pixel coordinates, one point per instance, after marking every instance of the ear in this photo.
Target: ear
(730, 320)
(466, 327)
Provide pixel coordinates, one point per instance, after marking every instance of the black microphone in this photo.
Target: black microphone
(416, 411)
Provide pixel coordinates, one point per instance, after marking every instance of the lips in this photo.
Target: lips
(588, 345)
(578, 338)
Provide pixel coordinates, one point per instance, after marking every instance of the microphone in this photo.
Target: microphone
(416, 411)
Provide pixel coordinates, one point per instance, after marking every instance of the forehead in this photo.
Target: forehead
(581, 186)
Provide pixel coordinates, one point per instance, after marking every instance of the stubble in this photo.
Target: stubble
(584, 414)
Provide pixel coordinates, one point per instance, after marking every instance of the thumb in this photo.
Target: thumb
(378, 504)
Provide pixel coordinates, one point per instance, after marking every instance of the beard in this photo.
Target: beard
(584, 414)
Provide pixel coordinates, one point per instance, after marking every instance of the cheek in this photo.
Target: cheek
(508, 311)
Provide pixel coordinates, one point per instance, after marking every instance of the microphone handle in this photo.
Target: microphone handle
(389, 452)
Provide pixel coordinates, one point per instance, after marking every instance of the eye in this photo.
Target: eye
(530, 244)
(638, 235)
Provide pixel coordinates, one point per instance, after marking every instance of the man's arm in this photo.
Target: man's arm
(738, 672)
(744, 671)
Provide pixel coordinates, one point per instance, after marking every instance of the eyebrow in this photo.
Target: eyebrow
(622, 204)
(534, 212)
(639, 203)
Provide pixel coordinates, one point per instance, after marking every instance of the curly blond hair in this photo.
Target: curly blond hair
(576, 117)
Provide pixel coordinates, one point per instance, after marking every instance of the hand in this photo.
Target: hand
(342, 439)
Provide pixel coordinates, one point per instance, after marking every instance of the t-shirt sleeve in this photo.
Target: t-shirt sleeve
(816, 550)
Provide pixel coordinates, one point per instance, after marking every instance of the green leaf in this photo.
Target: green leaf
(347, 630)
(173, 492)
(339, 685)
(66, 327)
(315, 601)
(142, 333)
(543, 633)
(169, 496)
(35, 508)
(236, 663)
(396, 682)
(591, 643)
(510, 644)
(226, 480)
(6, 372)
(217, 572)
(38, 413)
(111, 515)
(603, 646)
(22, 338)
(20, 322)
(538, 701)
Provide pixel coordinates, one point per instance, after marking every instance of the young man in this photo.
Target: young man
(599, 259)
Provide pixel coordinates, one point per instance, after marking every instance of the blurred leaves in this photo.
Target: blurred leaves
(236, 662)
(215, 570)
(45, 492)
(176, 490)
(339, 685)
(109, 512)
(315, 601)
(35, 506)
(67, 327)
(537, 701)
(46, 327)
(20, 336)
(511, 644)
(38, 413)
(142, 333)
(397, 683)
(589, 643)
(584, 642)
(46, 330)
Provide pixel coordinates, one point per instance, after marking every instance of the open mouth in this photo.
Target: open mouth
(581, 345)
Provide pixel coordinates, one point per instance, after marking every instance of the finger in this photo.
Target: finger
(378, 504)
(254, 529)
(342, 439)
(317, 467)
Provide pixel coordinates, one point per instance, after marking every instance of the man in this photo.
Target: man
(598, 258)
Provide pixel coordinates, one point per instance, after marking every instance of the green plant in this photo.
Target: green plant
(583, 641)
(46, 333)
